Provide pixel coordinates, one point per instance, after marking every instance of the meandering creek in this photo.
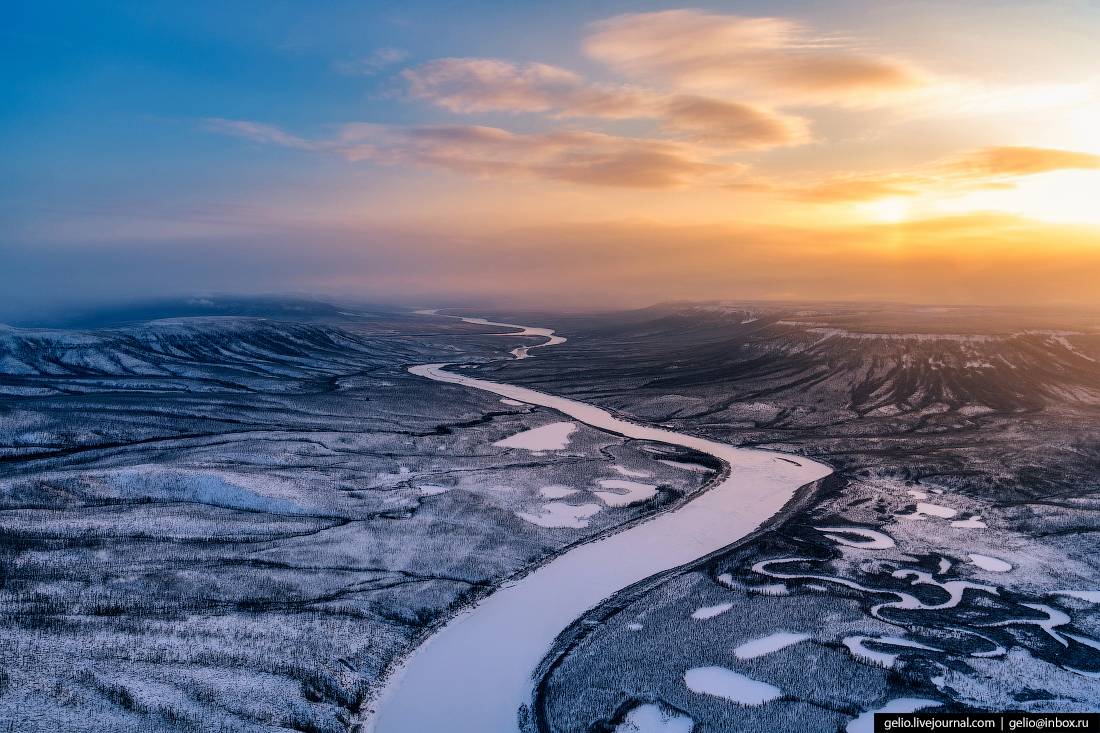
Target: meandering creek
(473, 675)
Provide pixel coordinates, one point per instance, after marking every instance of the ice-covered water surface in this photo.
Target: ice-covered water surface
(557, 514)
(1092, 596)
(730, 685)
(874, 540)
(475, 674)
(650, 718)
(768, 644)
(855, 644)
(711, 611)
(554, 436)
(865, 723)
(624, 493)
(521, 352)
(992, 564)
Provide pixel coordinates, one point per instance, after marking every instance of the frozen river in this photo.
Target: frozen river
(473, 675)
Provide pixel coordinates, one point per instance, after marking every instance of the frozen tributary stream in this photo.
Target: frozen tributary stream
(473, 675)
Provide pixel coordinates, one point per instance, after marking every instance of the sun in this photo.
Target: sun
(891, 209)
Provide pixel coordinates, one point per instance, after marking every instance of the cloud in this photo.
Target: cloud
(567, 156)
(987, 168)
(485, 85)
(1018, 161)
(771, 59)
(257, 131)
(732, 124)
(380, 59)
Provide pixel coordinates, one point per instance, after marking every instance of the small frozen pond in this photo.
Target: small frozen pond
(865, 723)
(711, 611)
(649, 718)
(624, 493)
(992, 564)
(873, 540)
(697, 467)
(558, 514)
(972, 523)
(554, 436)
(930, 510)
(557, 492)
(767, 645)
(730, 685)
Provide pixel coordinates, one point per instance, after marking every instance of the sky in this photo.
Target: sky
(559, 155)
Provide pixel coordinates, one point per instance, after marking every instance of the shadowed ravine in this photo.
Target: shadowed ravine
(474, 674)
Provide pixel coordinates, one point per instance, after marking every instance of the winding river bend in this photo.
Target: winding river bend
(473, 675)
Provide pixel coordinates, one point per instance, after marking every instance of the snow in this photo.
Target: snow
(634, 627)
(865, 723)
(918, 495)
(515, 403)
(768, 644)
(697, 467)
(729, 685)
(432, 489)
(634, 492)
(992, 564)
(775, 589)
(876, 540)
(1092, 596)
(855, 645)
(554, 436)
(633, 474)
(557, 514)
(557, 492)
(208, 487)
(711, 611)
(934, 510)
(649, 718)
(972, 523)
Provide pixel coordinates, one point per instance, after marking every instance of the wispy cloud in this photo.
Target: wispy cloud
(366, 66)
(770, 59)
(586, 158)
(988, 168)
(257, 131)
(484, 85)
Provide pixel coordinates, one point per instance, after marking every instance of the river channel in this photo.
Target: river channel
(473, 675)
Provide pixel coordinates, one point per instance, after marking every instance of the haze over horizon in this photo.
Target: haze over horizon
(605, 154)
